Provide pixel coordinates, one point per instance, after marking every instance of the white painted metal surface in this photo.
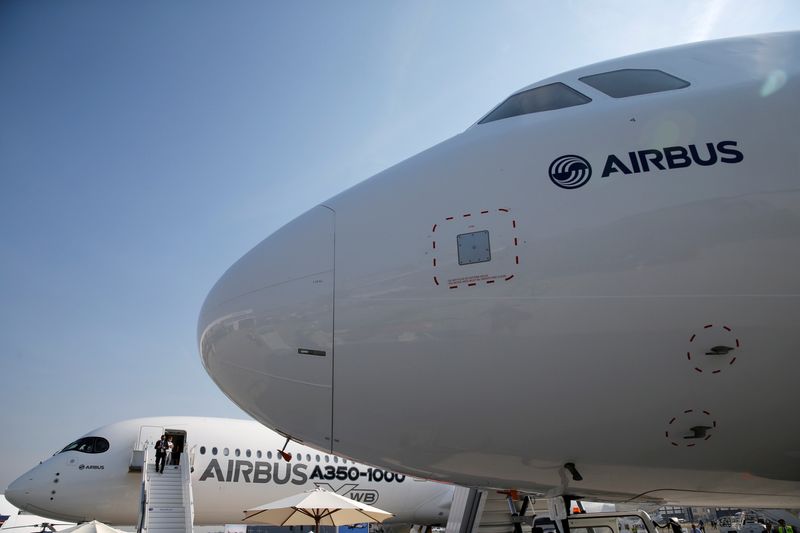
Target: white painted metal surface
(236, 467)
(635, 311)
(166, 504)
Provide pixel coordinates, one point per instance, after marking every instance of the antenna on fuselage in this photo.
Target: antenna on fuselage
(286, 456)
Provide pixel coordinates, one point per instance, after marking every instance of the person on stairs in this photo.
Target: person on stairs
(176, 455)
(161, 453)
(169, 449)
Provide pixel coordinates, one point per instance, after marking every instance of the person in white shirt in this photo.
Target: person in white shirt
(168, 451)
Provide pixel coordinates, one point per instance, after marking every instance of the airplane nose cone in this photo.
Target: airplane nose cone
(24, 491)
(266, 328)
(14, 493)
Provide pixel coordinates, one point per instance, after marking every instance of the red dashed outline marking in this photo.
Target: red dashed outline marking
(694, 336)
(467, 215)
(692, 444)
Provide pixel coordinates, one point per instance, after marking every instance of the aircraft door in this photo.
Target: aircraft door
(148, 436)
(179, 441)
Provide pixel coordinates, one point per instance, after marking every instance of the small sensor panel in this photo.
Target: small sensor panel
(473, 248)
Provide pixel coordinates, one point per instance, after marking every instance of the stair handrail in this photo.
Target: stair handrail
(186, 467)
(143, 514)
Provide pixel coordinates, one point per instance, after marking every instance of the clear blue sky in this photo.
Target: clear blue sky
(145, 146)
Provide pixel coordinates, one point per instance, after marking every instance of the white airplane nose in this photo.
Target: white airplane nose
(14, 493)
(26, 491)
(266, 328)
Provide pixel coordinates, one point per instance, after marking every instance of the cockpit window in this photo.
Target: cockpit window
(633, 81)
(100, 445)
(544, 98)
(87, 445)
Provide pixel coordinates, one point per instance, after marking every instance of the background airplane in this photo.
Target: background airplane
(21, 522)
(236, 466)
(582, 294)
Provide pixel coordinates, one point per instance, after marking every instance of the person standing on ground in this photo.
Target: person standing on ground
(161, 453)
(783, 528)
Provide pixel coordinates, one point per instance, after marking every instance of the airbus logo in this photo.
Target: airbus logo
(573, 171)
(570, 171)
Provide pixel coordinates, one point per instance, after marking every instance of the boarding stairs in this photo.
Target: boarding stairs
(773, 515)
(167, 504)
(490, 511)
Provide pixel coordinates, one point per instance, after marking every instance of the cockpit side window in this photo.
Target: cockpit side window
(100, 445)
(87, 445)
(633, 81)
(544, 98)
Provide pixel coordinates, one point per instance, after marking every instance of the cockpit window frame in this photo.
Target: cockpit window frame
(604, 77)
(566, 89)
(87, 445)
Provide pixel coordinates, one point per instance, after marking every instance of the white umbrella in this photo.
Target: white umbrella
(91, 527)
(317, 507)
